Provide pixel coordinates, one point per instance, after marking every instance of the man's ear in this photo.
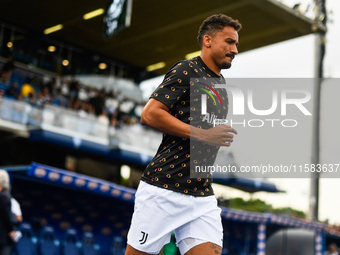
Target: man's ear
(206, 41)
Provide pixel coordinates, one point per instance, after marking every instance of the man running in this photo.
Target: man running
(171, 196)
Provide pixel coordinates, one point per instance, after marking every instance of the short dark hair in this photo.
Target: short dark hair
(216, 23)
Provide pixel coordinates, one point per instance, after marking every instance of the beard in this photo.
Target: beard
(225, 65)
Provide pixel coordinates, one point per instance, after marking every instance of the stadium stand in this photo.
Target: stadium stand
(96, 214)
(87, 221)
(27, 244)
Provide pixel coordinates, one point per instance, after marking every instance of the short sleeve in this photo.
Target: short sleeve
(15, 207)
(175, 86)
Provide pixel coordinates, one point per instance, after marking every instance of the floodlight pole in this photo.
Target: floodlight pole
(320, 40)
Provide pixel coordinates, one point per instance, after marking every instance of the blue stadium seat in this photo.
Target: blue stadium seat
(27, 244)
(117, 246)
(89, 245)
(71, 244)
(48, 244)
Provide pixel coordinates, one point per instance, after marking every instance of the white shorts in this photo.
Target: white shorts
(159, 211)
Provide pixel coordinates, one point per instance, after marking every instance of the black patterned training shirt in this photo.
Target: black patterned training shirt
(178, 158)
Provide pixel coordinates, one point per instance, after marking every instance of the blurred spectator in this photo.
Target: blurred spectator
(52, 87)
(82, 111)
(64, 89)
(77, 105)
(86, 108)
(59, 98)
(111, 109)
(91, 94)
(90, 108)
(136, 127)
(6, 72)
(70, 163)
(74, 90)
(6, 228)
(16, 212)
(82, 95)
(58, 81)
(98, 103)
(36, 83)
(113, 120)
(13, 91)
(111, 103)
(44, 97)
(103, 119)
(333, 229)
(332, 249)
(27, 91)
(120, 97)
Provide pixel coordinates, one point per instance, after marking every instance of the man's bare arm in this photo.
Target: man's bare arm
(157, 116)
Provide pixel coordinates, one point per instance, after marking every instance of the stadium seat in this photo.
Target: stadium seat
(27, 244)
(89, 245)
(48, 244)
(117, 246)
(71, 244)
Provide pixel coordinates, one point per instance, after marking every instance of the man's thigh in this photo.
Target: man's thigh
(157, 213)
(202, 249)
(131, 251)
(205, 249)
(207, 228)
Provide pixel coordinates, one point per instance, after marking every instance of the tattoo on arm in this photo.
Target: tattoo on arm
(217, 249)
